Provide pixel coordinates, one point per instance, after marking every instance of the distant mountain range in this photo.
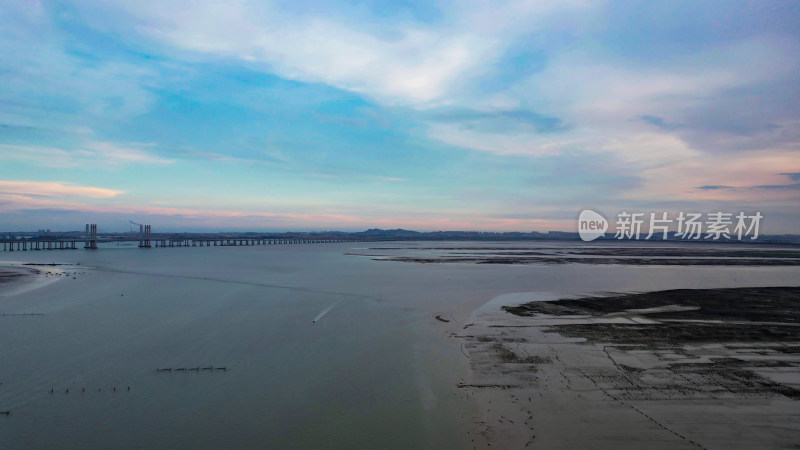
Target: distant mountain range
(409, 235)
(376, 234)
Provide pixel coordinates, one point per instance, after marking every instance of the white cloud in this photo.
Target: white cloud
(411, 66)
(601, 89)
(400, 62)
(602, 102)
(525, 143)
(47, 84)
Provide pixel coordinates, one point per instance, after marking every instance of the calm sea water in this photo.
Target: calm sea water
(375, 371)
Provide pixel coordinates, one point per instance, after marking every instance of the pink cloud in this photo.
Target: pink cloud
(232, 219)
(55, 189)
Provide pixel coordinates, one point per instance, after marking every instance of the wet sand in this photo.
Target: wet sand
(689, 368)
(17, 278)
(12, 275)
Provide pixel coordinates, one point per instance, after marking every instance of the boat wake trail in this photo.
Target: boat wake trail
(325, 311)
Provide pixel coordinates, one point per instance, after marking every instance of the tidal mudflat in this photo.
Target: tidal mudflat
(703, 368)
(611, 353)
(346, 346)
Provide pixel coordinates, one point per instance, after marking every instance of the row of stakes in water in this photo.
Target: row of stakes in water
(66, 391)
(192, 369)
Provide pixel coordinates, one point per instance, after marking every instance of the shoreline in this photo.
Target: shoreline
(19, 277)
(691, 368)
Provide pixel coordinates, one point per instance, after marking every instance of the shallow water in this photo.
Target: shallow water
(375, 371)
(362, 376)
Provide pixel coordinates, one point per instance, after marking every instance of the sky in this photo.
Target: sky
(432, 115)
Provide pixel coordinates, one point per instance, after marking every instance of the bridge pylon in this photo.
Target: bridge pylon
(144, 241)
(91, 236)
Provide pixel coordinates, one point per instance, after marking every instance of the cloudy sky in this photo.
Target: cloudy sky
(501, 115)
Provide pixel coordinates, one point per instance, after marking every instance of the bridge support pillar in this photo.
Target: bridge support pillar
(144, 242)
(91, 235)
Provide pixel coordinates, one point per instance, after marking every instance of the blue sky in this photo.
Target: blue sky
(503, 115)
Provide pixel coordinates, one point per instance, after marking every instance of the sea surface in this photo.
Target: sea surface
(322, 345)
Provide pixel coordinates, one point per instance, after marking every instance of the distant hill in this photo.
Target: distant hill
(376, 234)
